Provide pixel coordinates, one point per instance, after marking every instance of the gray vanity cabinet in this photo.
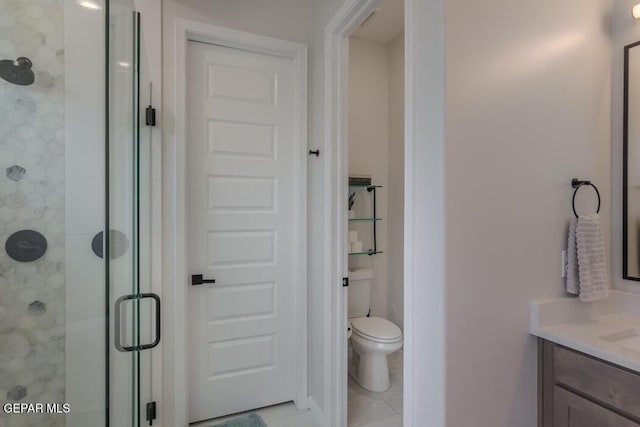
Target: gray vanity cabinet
(572, 410)
(577, 390)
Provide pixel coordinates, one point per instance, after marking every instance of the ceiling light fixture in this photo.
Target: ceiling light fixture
(636, 11)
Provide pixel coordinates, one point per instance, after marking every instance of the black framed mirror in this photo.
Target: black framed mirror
(631, 164)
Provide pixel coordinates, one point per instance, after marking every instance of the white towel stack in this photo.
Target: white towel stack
(355, 245)
(587, 266)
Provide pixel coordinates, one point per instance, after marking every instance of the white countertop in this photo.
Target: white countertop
(607, 329)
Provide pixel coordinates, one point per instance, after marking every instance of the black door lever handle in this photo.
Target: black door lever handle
(197, 279)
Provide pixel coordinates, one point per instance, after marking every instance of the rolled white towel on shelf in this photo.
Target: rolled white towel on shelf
(353, 236)
(357, 247)
(592, 262)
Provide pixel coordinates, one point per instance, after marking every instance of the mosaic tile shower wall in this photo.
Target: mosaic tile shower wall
(32, 197)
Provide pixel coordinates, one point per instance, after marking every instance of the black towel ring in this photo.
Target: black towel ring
(577, 184)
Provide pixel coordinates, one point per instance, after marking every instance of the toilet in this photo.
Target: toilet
(372, 339)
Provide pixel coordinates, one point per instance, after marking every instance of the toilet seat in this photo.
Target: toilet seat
(376, 329)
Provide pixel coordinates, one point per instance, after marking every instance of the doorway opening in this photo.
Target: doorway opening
(375, 151)
(365, 130)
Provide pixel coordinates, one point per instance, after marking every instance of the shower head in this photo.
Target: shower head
(18, 72)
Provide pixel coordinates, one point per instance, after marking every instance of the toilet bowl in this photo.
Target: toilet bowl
(372, 340)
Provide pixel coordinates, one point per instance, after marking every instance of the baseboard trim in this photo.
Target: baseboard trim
(315, 410)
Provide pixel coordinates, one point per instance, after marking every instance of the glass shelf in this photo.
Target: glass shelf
(366, 253)
(365, 184)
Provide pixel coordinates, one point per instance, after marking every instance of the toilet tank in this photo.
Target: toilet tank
(360, 284)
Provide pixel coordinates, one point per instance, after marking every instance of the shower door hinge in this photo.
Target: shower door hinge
(150, 116)
(151, 412)
(345, 282)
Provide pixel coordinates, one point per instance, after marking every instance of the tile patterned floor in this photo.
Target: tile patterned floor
(368, 409)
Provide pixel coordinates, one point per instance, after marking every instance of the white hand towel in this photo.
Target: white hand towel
(573, 278)
(592, 265)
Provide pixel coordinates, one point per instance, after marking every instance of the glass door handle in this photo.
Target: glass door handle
(118, 319)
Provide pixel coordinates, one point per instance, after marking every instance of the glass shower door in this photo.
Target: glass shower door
(77, 320)
(128, 215)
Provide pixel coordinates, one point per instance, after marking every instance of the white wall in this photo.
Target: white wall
(425, 357)
(528, 106)
(395, 184)
(626, 31)
(368, 133)
(319, 380)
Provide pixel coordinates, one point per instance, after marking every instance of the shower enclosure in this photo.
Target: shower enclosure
(78, 320)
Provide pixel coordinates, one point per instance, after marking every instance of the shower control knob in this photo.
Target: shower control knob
(197, 279)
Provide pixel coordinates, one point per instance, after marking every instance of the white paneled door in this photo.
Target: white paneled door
(241, 168)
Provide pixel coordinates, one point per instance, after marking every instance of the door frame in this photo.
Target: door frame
(176, 358)
(336, 39)
(424, 210)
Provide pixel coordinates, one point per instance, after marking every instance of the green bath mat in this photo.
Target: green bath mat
(251, 420)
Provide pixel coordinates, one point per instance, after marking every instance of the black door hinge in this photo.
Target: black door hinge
(345, 282)
(150, 116)
(151, 412)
